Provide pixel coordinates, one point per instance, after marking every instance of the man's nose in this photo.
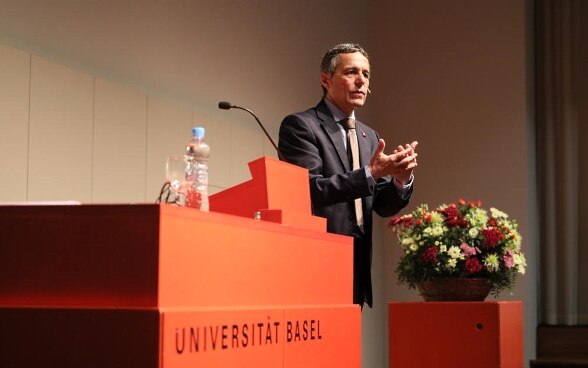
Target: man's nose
(361, 80)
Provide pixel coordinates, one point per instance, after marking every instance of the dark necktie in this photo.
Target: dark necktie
(349, 125)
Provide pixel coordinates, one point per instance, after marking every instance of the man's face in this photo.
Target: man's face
(347, 87)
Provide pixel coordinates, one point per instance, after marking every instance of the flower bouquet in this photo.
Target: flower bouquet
(459, 240)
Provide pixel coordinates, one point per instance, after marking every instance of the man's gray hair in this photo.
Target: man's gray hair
(331, 58)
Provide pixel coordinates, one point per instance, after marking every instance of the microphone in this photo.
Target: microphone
(224, 105)
(369, 91)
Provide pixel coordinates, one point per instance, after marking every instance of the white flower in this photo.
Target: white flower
(520, 262)
(455, 253)
(443, 248)
(451, 263)
(437, 231)
(473, 232)
(497, 214)
(407, 241)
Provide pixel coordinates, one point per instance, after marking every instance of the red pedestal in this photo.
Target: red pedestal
(164, 286)
(455, 334)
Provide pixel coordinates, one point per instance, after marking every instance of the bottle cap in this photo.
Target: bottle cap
(198, 132)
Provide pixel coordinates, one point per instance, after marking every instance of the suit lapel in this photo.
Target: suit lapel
(334, 133)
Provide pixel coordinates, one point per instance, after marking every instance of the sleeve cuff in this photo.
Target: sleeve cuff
(370, 178)
(403, 189)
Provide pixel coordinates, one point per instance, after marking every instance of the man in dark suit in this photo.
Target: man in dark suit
(346, 185)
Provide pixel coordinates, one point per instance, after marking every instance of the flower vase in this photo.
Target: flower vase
(455, 289)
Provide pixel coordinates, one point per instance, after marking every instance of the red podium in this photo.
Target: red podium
(455, 334)
(163, 286)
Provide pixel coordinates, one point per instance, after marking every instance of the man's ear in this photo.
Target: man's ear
(325, 80)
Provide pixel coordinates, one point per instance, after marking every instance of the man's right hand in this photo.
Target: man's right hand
(400, 164)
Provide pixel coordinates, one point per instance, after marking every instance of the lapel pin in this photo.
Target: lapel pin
(363, 134)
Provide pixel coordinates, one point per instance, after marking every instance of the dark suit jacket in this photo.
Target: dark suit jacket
(313, 140)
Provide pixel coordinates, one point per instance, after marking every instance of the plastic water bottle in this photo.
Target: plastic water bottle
(197, 152)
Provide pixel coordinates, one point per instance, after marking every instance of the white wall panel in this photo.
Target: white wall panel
(14, 123)
(168, 131)
(120, 141)
(60, 132)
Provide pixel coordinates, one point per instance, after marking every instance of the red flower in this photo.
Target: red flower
(492, 236)
(406, 221)
(394, 221)
(428, 217)
(472, 265)
(452, 216)
(430, 255)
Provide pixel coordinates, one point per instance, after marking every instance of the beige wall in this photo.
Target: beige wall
(68, 135)
(95, 95)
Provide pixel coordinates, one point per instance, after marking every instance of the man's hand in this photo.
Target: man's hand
(399, 164)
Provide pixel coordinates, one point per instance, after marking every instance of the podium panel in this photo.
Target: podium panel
(89, 255)
(149, 255)
(210, 259)
(455, 334)
(79, 337)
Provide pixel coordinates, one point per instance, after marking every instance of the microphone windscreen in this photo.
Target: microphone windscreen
(224, 105)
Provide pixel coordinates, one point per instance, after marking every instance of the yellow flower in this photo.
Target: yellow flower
(491, 263)
(477, 217)
(437, 231)
(436, 218)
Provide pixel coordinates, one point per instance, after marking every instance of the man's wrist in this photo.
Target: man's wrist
(402, 186)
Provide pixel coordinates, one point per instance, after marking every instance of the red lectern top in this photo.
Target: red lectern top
(279, 191)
